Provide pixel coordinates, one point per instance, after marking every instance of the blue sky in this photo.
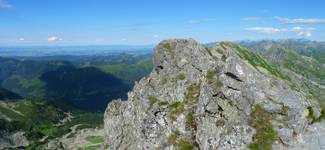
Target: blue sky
(146, 22)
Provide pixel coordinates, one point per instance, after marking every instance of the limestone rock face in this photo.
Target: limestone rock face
(210, 98)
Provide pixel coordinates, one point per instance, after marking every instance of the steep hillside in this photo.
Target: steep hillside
(32, 124)
(129, 73)
(85, 88)
(292, 55)
(307, 72)
(129, 68)
(22, 77)
(225, 97)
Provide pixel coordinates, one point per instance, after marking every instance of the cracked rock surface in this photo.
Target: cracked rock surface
(203, 98)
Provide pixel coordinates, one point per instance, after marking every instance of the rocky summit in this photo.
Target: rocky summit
(225, 97)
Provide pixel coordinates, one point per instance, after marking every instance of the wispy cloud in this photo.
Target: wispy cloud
(53, 39)
(300, 20)
(299, 31)
(288, 20)
(4, 4)
(21, 39)
(301, 28)
(307, 32)
(201, 21)
(268, 30)
(249, 19)
(304, 33)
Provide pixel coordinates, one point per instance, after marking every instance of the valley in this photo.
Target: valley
(46, 102)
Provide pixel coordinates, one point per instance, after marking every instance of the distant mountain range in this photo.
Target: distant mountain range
(39, 51)
(313, 49)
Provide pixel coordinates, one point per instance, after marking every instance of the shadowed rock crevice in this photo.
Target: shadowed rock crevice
(233, 76)
(229, 87)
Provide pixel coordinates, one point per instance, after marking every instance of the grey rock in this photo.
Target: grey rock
(312, 139)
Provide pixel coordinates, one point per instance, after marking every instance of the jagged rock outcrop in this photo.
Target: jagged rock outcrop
(211, 98)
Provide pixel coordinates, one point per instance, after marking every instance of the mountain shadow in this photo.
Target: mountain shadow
(8, 95)
(86, 88)
(22, 76)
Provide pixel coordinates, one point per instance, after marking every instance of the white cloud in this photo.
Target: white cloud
(53, 39)
(304, 33)
(4, 4)
(156, 36)
(307, 32)
(299, 31)
(297, 28)
(301, 28)
(21, 39)
(300, 20)
(268, 30)
(252, 19)
(201, 21)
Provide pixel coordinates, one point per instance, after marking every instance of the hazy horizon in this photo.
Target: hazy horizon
(132, 46)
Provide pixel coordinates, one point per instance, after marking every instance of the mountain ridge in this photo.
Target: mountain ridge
(243, 100)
